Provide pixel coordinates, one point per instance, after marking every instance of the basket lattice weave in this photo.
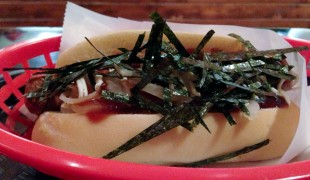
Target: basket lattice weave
(11, 93)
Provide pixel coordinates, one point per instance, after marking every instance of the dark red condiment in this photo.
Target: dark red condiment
(104, 108)
(97, 116)
(272, 102)
(108, 107)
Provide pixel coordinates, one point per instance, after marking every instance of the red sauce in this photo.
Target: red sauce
(96, 116)
(100, 109)
(190, 50)
(113, 107)
(272, 102)
(215, 50)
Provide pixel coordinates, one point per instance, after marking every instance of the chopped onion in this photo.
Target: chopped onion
(78, 100)
(274, 90)
(99, 81)
(279, 86)
(24, 110)
(283, 93)
(121, 86)
(253, 108)
(82, 87)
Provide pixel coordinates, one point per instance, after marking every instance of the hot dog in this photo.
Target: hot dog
(90, 129)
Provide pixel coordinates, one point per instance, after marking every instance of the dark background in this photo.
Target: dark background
(253, 13)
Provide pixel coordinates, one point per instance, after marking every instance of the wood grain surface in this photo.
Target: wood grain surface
(253, 13)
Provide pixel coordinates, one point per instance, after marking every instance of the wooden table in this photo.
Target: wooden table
(253, 13)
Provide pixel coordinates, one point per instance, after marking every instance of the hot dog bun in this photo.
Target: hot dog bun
(109, 44)
(81, 134)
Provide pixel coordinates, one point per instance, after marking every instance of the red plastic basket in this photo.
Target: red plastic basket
(21, 55)
(72, 166)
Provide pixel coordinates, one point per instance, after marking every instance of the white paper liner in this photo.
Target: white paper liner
(80, 22)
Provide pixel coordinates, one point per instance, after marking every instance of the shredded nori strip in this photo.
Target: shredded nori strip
(115, 96)
(228, 56)
(153, 50)
(169, 33)
(224, 157)
(177, 116)
(137, 46)
(203, 42)
(247, 44)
